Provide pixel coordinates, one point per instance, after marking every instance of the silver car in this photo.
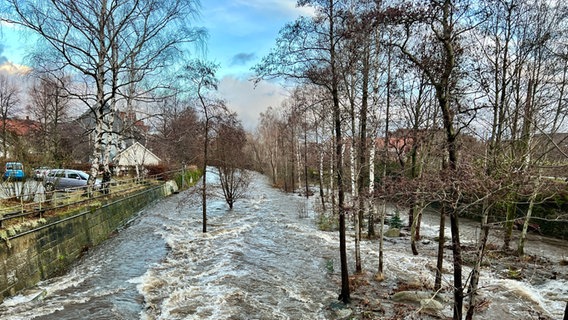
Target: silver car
(67, 179)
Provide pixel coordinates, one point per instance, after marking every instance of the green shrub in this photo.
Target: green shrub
(327, 222)
(190, 178)
(395, 221)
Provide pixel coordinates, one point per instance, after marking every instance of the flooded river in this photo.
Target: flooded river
(258, 261)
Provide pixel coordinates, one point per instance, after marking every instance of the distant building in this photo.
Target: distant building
(133, 156)
(16, 137)
(126, 131)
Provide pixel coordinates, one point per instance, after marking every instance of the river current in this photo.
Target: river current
(259, 261)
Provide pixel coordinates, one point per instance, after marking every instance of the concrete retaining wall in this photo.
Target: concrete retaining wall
(49, 250)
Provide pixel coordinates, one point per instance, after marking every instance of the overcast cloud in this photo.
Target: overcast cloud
(241, 33)
(248, 101)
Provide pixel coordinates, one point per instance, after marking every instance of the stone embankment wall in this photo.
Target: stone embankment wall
(49, 250)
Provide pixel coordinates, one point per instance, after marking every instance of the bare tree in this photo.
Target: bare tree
(200, 78)
(417, 100)
(176, 126)
(98, 41)
(268, 142)
(50, 106)
(231, 161)
(440, 62)
(9, 100)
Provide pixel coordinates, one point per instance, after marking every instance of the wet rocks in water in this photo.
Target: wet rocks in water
(392, 233)
(340, 310)
(343, 313)
(429, 302)
(414, 297)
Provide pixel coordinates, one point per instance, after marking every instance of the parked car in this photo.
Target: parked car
(67, 179)
(13, 171)
(41, 172)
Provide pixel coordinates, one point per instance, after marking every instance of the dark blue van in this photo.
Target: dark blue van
(13, 171)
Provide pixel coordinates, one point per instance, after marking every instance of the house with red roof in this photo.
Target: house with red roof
(16, 136)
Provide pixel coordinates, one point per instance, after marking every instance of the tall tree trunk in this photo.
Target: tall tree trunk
(332, 177)
(306, 163)
(511, 211)
(353, 169)
(384, 168)
(111, 137)
(294, 163)
(456, 249)
(475, 273)
(97, 148)
(204, 188)
(321, 192)
(205, 157)
(363, 165)
(345, 295)
(98, 111)
(298, 167)
(443, 94)
(523, 238)
(416, 212)
(357, 223)
(454, 221)
(383, 212)
(372, 212)
(440, 259)
(320, 167)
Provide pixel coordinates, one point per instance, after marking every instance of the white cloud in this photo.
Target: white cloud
(14, 69)
(248, 101)
(285, 7)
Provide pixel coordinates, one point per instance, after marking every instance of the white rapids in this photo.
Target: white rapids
(258, 261)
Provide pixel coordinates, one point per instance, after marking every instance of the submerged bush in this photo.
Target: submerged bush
(395, 221)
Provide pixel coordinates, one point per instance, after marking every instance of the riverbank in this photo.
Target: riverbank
(49, 247)
(531, 287)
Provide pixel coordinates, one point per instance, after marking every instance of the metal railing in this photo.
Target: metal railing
(22, 200)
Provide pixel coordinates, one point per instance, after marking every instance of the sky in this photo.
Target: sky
(241, 32)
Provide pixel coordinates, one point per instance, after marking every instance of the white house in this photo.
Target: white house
(134, 156)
